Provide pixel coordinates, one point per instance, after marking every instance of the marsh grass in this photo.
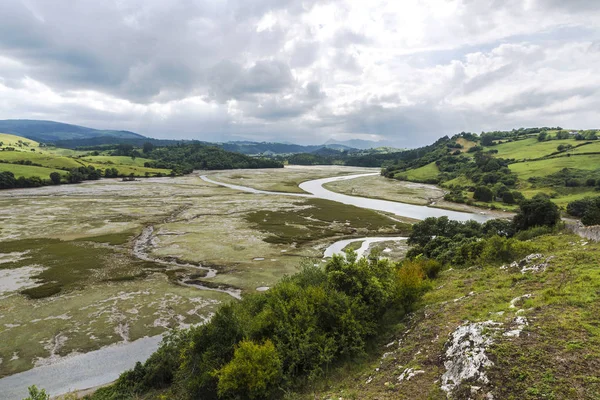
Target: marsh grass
(320, 219)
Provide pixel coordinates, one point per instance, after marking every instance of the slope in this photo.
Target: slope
(50, 131)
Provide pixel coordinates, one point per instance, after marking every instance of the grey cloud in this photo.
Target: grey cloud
(535, 99)
(346, 37)
(228, 80)
(304, 54)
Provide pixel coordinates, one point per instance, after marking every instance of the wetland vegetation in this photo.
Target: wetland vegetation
(82, 284)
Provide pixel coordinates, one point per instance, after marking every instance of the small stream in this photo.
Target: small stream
(144, 243)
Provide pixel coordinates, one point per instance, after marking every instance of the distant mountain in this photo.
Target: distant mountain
(354, 143)
(268, 148)
(50, 131)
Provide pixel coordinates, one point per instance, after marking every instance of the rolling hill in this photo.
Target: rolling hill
(50, 131)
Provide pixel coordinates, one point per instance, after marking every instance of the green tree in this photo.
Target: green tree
(253, 373)
(75, 176)
(483, 193)
(538, 211)
(562, 135)
(55, 178)
(543, 136)
(7, 180)
(148, 147)
(508, 198)
(591, 216)
(37, 394)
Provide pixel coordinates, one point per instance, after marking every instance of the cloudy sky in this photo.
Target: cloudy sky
(405, 72)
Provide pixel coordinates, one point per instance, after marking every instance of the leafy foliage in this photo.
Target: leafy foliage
(37, 394)
(588, 209)
(538, 211)
(253, 372)
(284, 338)
(183, 158)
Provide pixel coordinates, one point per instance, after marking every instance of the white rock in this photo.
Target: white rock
(465, 357)
(409, 373)
(513, 302)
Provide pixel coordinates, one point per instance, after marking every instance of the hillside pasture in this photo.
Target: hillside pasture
(424, 173)
(528, 169)
(45, 160)
(466, 144)
(529, 148)
(116, 160)
(29, 171)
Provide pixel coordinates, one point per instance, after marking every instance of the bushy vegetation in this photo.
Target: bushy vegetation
(75, 175)
(284, 339)
(588, 209)
(497, 166)
(467, 243)
(184, 158)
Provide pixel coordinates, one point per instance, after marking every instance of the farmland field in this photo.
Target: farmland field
(549, 166)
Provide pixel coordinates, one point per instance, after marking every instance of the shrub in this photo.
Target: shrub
(508, 198)
(253, 373)
(533, 232)
(483, 193)
(55, 178)
(37, 394)
(498, 249)
(538, 211)
(591, 216)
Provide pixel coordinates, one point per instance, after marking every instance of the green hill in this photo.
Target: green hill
(562, 164)
(50, 131)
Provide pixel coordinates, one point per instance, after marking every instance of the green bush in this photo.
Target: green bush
(284, 338)
(483, 193)
(37, 394)
(538, 211)
(253, 373)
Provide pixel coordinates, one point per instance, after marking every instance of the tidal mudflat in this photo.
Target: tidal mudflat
(104, 262)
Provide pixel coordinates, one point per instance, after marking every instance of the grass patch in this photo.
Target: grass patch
(320, 219)
(116, 160)
(45, 160)
(530, 148)
(426, 173)
(541, 168)
(29, 171)
(72, 265)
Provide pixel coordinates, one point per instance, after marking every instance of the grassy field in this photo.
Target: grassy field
(18, 142)
(115, 160)
(530, 148)
(56, 158)
(555, 356)
(549, 166)
(429, 171)
(28, 170)
(466, 144)
(46, 160)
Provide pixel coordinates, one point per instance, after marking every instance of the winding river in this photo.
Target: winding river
(102, 366)
(315, 189)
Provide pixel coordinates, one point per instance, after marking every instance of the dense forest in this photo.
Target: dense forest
(184, 158)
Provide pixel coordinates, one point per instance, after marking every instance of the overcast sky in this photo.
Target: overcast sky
(404, 71)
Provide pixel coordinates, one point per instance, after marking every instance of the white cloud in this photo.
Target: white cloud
(407, 72)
